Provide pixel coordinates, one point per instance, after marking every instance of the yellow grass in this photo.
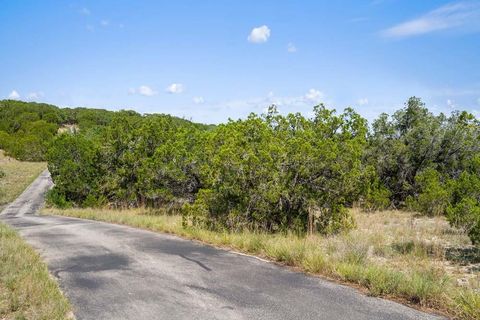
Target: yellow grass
(391, 254)
(18, 175)
(26, 289)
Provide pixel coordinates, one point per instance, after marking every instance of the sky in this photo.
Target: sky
(209, 61)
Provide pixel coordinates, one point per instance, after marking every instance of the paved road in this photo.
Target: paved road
(116, 272)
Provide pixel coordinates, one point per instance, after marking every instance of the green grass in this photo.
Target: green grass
(18, 175)
(372, 260)
(26, 289)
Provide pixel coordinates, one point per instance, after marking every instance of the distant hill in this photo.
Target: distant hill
(27, 128)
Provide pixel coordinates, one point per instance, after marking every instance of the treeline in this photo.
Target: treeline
(28, 129)
(428, 163)
(269, 172)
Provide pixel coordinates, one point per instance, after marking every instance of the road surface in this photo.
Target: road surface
(117, 272)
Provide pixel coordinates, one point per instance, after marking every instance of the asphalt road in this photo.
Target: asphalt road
(116, 272)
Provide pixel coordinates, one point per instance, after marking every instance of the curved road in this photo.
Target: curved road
(116, 272)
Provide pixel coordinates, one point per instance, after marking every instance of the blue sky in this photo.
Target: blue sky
(213, 60)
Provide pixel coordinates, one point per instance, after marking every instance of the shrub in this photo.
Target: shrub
(54, 198)
(466, 215)
(375, 196)
(433, 196)
(276, 172)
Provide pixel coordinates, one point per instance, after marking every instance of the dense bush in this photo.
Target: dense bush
(134, 161)
(464, 209)
(277, 172)
(269, 172)
(27, 128)
(429, 162)
(433, 195)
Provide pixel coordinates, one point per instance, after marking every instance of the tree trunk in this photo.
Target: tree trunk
(310, 221)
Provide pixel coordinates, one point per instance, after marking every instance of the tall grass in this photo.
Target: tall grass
(26, 289)
(18, 175)
(409, 273)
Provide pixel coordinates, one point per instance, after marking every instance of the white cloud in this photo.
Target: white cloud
(146, 91)
(198, 100)
(35, 95)
(362, 101)
(259, 34)
(478, 101)
(314, 95)
(104, 23)
(143, 90)
(175, 88)
(291, 48)
(85, 11)
(14, 95)
(464, 14)
(287, 104)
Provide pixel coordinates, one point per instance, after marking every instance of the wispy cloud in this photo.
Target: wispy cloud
(286, 103)
(291, 48)
(143, 90)
(14, 95)
(362, 101)
(35, 95)
(84, 11)
(458, 15)
(198, 100)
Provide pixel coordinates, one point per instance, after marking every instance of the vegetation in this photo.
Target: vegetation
(27, 291)
(391, 254)
(17, 175)
(272, 176)
(275, 172)
(27, 129)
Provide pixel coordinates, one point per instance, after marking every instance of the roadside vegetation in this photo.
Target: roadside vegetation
(15, 176)
(287, 185)
(391, 254)
(27, 291)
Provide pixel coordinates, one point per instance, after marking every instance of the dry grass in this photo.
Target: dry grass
(18, 175)
(391, 254)
(26, 289)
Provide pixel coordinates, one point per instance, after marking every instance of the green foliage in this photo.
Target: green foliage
(466, 215)
(269, 172)
(428, 163)
(73, 164)
(433, 196)
(57, 199)
(404, 145)
(134, 161)
(464, 210)
(27, 128)
(375, 196)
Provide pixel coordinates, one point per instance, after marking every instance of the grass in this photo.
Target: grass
(27, 291)
(391, 254)
(18, 175)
